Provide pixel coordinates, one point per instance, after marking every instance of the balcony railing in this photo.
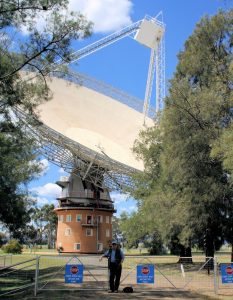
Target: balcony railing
(87, 224)
(87, 205)
(86, 194)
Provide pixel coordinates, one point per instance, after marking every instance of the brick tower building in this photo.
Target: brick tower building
(84, 216)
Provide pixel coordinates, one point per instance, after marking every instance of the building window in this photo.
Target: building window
(107, 233)
(107, 219)
(100, 247)
(78, 218)
(100, 219)
(89, 232)
(77, 246)
(68, 218)
(60, 218)
(67, 232)
(89, 219)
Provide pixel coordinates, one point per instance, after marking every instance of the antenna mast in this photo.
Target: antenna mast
(151, 34)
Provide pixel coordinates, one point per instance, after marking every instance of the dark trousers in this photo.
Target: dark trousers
(115, 276)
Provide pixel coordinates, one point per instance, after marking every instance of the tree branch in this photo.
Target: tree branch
(44, 49)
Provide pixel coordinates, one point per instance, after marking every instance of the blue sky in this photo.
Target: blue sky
(125, 63)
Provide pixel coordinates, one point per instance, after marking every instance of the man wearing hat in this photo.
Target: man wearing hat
(115, 259)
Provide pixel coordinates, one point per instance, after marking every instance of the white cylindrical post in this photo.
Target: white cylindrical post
(36, 275)
(215, 275)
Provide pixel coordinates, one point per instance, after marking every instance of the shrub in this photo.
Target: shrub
(13, 246)
(60, 249)
(154, 244)
(2, 239)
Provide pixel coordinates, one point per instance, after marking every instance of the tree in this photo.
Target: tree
(2, 238)
(35, 52)
(134, 227)
(38, 51)
(50, 220)
(13, 246)
(116, 232)
(45, 221)
(188, 188)
(139, 228)
(190, 127)
(16, 170)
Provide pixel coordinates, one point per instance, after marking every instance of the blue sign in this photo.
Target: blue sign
(73, 273)
(227, 273)
(145, 274)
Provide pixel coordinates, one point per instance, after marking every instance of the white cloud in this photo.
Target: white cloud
(107, 15)
(119, 197)
(48, 190)
(43, 200)
(40, 22)
(123, 203)
(44, 163)
(62, 171)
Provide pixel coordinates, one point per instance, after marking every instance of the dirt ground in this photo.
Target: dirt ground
(104, 295)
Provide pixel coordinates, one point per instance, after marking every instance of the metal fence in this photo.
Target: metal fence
(169, 273)
(47, 272)
(222, 285)
(52, 270)
(18, 276)
(5, 260)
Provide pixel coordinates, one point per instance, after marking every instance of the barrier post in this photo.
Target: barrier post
(215, 275)
(36, 275)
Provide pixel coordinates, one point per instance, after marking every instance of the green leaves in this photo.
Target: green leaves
(28, 49)
(187, 186)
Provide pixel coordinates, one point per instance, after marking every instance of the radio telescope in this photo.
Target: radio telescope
(89, 128)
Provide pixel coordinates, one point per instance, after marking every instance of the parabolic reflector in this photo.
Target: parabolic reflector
(94, 120)
(89, 128)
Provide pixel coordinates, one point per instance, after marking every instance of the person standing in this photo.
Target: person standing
(115, 259)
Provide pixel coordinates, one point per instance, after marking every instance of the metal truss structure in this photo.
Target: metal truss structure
(73, 157)
(160, 78)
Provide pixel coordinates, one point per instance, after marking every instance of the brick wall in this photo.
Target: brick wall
(79, 231)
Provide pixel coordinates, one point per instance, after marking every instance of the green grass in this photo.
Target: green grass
(144, 251)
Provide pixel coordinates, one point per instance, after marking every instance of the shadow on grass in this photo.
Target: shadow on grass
(102, 295)
(53, 277)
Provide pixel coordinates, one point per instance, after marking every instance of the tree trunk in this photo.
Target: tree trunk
(231, 252)
(49, 237)
(231, 244)
(185, 255)
(209, 251)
